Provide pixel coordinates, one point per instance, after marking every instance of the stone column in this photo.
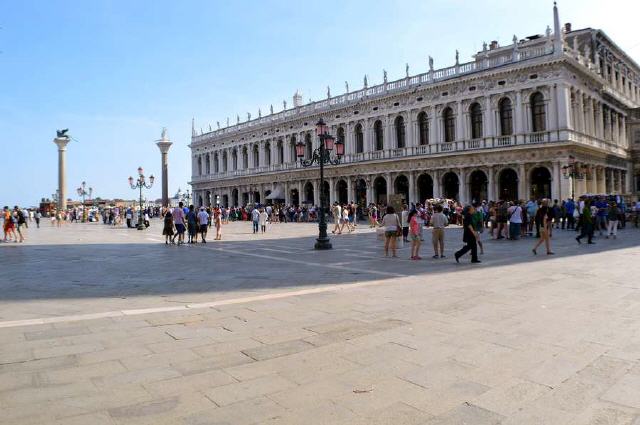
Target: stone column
(580, 122)
(460, 122)
(489, 128)
(491, 184)
(462, 189)
(523, 189)
(332, 191)
(556, 189)
(436, 185)
(164, 144)
(518, 117)
(390, 189)
(316, 192)
(350, 195)
(369, 183)
(412, 188)
(433, 126)
(62, 143)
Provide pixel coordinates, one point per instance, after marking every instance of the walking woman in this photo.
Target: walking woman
(545, 218)
(392, 230)
(414, 235)
(167, 230)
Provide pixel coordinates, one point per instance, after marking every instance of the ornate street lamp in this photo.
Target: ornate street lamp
(141, 183)
(574, 170)
(82, 191)
(321, 156)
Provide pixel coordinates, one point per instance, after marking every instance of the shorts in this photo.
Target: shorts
(415, 238)
(203, 228)
(390, 233)
(180, 228)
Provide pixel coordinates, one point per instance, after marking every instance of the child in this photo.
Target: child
(414, 235)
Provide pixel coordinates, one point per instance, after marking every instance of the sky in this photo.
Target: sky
(116, 72)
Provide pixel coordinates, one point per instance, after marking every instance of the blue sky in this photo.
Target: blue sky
(116, 72)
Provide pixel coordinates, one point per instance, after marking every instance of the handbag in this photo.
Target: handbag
(399, 227)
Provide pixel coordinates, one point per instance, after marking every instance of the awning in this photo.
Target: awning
(278, 193)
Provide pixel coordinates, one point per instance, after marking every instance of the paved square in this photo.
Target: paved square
(102, 325)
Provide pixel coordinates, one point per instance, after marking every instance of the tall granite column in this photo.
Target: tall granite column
(62, 171)
(164, 144)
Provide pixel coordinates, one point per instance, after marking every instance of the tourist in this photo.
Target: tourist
(405, 226)
(345, 219)
(501, 219)
(515, 220)
(262, 218)
(178, 221)
(203, 221)
(414, 234)
(601, 214)
(532, 209)
(217, 218)
(469, 236)
(570, 210)
(612, 227)
(439, 221)
(20, 222)
(544, 217)
(167, 229)
(586, 219)
(38, 216)
(9, 225)
(337, 218)
(392, 230)
(192, 223)
(255, 219)
(478, 225)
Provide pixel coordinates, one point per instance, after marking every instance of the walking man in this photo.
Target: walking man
(203, 221)
(469, 237)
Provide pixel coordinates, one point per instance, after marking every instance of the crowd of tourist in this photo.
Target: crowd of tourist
(509, 220)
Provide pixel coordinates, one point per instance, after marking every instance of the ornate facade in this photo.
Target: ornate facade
(501, 126)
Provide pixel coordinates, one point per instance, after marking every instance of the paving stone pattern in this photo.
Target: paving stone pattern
(264, 330)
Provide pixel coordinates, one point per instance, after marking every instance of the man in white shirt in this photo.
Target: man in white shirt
(255, 218)
(203, 221)
(337, 218)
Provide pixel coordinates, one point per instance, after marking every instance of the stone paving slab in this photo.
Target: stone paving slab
(281, 334)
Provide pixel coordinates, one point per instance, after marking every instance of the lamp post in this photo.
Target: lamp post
(321, 156)
(140, 183)
(574, 170)
(188, 197)
(82, 191)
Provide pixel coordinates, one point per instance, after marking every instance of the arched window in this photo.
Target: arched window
(224, 162)
(207, 164)
(256, 157)
(538, 114)
(267, 154)
(378, 134)
(292, 148)
(340, 136)
(449, 122)
(280, 158)
(506, 117)
(399, 126)
(359, 139)
(308, 146)
(234, 159)
(475, 111)
(245, 158)
(423, 128)
(216, 164)
(199, 165)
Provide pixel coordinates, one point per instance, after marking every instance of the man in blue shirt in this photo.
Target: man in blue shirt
(570, 208)
(601, 216)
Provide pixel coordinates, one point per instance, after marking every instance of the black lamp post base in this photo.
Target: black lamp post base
(323, 243)
(140, 225)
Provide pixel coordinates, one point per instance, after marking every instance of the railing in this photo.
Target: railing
(474, 144)
(503, 141)
(538, 137)
(488, 143)
(431, 77)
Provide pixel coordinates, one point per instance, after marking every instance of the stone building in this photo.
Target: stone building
(505, 125)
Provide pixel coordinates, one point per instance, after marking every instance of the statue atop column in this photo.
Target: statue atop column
(430, 63)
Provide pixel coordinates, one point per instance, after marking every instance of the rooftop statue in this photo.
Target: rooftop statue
(62, 133)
